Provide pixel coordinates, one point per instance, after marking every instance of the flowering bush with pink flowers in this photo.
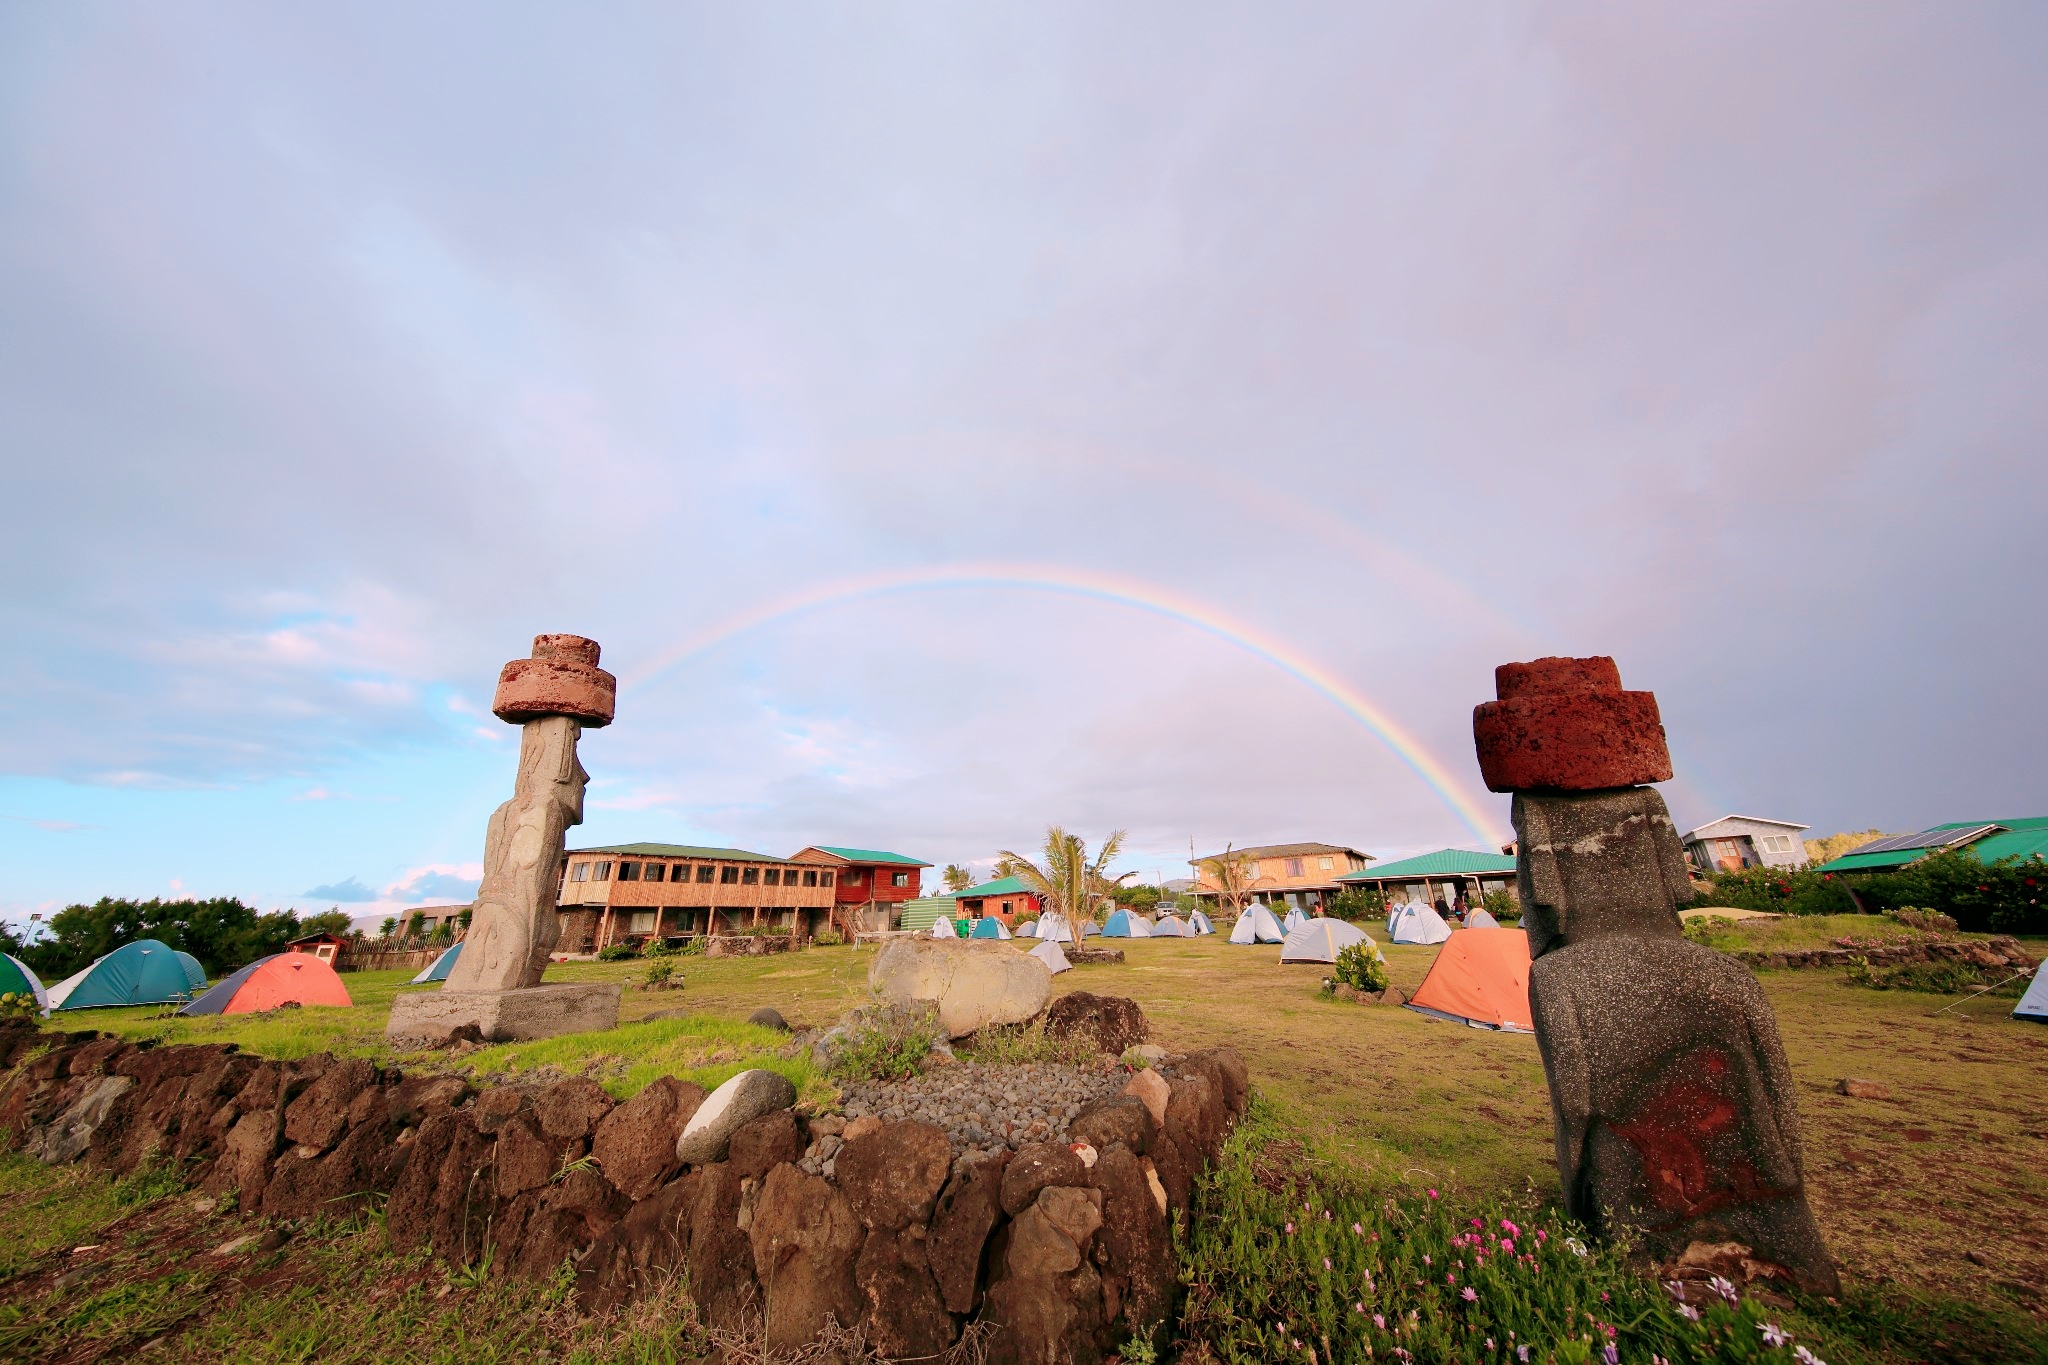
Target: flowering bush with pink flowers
(1286, 1265)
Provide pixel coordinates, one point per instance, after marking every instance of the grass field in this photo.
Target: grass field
(1906, 1188)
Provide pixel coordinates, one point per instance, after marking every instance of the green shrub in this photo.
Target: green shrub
(1913, 917)
(1778, 891)
(827, 937)
(18, 1005)
(691, 947)
(1358, 903)
(2004, 897)
(1287, 1258)
(886, 1043)
(617, 952)
(1502, 905)
(660, 969)
(1361, 967)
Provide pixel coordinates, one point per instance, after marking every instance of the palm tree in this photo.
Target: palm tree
(1067, 884)
(1227, 870)
(957, 878)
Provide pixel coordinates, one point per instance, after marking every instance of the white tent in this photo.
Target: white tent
(1295, 919)
(1199, 923)
(1256, 925)
(1171, 926)
(1052, 927)
(1479, 919)
(2034, 1004)
(1049, 953)
(942, 927)
(1320, 940)
(1420, 924)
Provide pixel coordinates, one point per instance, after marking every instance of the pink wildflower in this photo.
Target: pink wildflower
(1290, 1229)
(1774, 1335)
(1469, 1294)
(1432, 1194)
(1688, 1312)
(1326, 1263)
(1379, 1320)
(1357, 1230)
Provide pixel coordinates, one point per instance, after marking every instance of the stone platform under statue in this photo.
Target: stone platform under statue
(508, 1016)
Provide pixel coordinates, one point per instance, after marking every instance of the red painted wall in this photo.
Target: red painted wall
(874, 883)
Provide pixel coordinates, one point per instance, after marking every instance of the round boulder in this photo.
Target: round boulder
(974, 984)
(738, 1102)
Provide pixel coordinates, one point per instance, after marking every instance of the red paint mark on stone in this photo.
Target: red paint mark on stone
(1676, 1134)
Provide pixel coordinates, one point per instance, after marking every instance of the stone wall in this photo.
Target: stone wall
(1062, 1248)
(1991, 954)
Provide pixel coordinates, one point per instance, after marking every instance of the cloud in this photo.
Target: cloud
(50, 826)
(439, 884)
(349, 890)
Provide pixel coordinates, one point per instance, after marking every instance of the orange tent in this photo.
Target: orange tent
(1480, 977)
(285, 979)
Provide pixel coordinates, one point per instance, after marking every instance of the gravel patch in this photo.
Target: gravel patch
(985, 1108)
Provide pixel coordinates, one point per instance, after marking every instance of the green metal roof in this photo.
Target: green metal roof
(867, 855)
(1001, 886)
(1445, 862)
(731, 855)
(2020, 838)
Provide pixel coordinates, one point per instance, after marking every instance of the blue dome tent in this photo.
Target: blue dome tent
(145, 972)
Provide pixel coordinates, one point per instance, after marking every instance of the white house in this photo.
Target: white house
(1734, 842)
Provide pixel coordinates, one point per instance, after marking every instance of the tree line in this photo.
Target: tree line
(222, 933)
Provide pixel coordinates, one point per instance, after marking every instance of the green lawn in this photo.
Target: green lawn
(1956, 1161)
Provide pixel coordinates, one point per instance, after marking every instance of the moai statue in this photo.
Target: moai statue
(1674, 1107)
(496, 982)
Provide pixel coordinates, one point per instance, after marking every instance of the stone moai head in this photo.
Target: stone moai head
(1596, 851)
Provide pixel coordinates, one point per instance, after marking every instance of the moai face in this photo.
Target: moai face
(1597, 863)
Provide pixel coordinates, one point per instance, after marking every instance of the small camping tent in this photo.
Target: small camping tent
(17, 979)
(1049, 953)
(1419, 924)
(1479, 919)
(1320, 940)
(1028, 929)
(1052, 926)
(1199, 922)
(1480, 977)
(266, 983)
(1256, 925)
(1124, 924)
(1171, 926)
(942, 927)
(438, 969)
(1294, 920)
(2034, 1004)
(145, 972)
(988, 926)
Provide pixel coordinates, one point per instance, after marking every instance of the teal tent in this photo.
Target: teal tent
(144, 972)
(988, 926)
(17, 979)
(440, 967)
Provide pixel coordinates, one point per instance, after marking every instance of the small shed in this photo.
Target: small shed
(326, 947)
(1734, 842)
(1427, 877)
(1007, 898)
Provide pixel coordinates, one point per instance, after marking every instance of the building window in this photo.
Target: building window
(1006, 906)
(824, 879)
(751, 876)
(601, 871)
(899, 879)
(679, 872)
(579, 872)
(810, 879)
(629, 872)
(706, 873)
(1325, 864)
(1294, 867)
(1252, 871)
(641, 922)
(772, 877)
(727, 876)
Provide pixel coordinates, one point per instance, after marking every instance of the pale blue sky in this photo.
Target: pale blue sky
(344, 349)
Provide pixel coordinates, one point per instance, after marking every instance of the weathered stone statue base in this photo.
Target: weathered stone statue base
(508, 1016)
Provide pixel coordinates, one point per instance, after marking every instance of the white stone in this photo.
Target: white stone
(729, 1108)
(974, 983)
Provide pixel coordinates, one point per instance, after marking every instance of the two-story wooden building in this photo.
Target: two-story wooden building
(633, 892)
(1303, 875)
(872, 884)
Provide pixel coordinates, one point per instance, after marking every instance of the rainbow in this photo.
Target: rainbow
(1102, 587)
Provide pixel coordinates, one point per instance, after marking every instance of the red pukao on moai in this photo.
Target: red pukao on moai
(496, 982)
(1674, 1108)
